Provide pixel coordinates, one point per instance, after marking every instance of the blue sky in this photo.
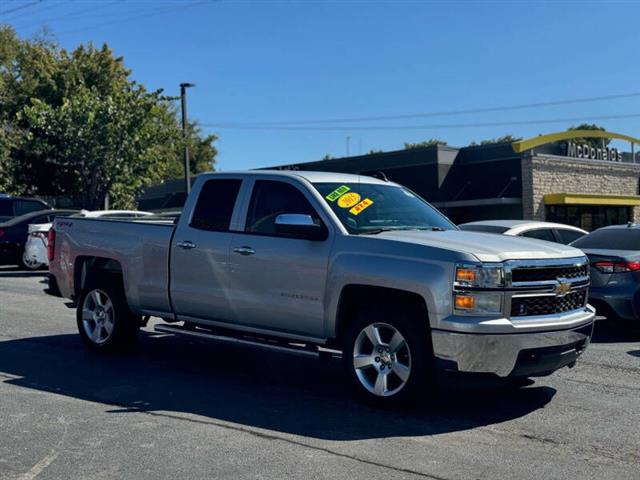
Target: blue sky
(279, 61)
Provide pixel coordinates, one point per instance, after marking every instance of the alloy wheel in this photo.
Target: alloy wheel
(98, 316)
(382, 359)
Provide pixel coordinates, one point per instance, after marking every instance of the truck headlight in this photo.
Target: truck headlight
(479, 276)
(478, 302)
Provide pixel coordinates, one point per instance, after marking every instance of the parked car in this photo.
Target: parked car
(11, 207)
(614, 253)
(14, 233)
(551, 232)
(35, 250)
(310, 262)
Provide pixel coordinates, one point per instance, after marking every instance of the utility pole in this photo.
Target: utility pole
(183, 100)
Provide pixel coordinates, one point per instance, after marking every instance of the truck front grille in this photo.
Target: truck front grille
(547, 305)
(550, 273)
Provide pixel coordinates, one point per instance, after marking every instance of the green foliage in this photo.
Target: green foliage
(374, 152)
(427, 143)
(73, 124)
(593, 142)
(503, 139)
(328, 156)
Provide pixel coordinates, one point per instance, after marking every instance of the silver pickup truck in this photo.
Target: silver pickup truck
(319, 263)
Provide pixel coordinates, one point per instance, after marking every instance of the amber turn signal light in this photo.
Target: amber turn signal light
(465, 302)
(466, 275)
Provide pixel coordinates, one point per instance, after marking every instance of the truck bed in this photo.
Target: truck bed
(140, 246)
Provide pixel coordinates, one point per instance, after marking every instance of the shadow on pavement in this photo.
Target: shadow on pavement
(634, 353)
(248, 387)
(17, 272)
(614, 331)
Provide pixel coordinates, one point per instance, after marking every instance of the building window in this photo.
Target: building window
(588, 217)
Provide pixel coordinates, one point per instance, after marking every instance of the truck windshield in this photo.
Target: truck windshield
(365, 208)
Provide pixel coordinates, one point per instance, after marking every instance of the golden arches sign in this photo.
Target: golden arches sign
(533, 142)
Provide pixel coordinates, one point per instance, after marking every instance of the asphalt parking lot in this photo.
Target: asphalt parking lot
(178, 408)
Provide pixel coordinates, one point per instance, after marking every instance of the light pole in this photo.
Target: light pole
(183, 100)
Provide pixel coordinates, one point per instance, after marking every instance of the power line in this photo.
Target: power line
(69, 16)
(92, 13)
(419, 127)
(459, 112)
(145, 15)
(21, 7)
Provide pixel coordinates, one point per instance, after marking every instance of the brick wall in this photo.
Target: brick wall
(546, 174)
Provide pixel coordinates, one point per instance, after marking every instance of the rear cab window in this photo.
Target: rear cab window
(215, 205)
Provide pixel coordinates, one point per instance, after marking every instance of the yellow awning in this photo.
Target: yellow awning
(591, 199)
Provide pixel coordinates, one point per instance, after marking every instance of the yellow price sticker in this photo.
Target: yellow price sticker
(348, 200)
(366, 203)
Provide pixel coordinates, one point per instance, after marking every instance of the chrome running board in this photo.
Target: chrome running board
(271, 344)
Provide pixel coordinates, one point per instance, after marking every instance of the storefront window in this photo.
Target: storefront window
(588, 217)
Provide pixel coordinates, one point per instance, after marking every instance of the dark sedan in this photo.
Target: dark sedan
(11, 207)
(14, 232)
(614, 254)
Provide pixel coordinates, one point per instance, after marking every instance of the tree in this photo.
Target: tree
(77, 126)
(593, 142)
(504, 139)
(427, 143)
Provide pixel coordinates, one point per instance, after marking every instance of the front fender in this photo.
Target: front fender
(431, 280)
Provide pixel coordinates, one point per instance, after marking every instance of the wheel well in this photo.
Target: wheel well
(90, 267)
(353, 297)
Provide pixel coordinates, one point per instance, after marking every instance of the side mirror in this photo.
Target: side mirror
(301, 226)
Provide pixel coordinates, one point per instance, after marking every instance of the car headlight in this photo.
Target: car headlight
(479, 303)
(479, 276)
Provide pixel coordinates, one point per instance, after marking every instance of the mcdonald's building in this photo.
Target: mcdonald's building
(559, 177)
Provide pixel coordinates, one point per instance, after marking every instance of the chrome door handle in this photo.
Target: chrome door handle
(244, 250)
(186, 245)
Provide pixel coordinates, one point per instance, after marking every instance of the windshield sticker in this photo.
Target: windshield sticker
(366, 203)
(348, 200)
(333, 196)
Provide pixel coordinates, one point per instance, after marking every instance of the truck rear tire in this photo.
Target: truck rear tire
(389, 356)
(104, 320)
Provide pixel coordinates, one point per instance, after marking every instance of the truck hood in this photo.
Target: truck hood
(486, 247)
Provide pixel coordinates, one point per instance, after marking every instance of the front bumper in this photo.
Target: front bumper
(532, 353)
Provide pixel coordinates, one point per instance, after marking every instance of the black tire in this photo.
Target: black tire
(413, 325)
(125, 324)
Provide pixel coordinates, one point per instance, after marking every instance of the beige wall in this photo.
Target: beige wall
(547, 174)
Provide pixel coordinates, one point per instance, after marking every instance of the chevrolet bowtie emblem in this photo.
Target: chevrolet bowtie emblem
(562, 287)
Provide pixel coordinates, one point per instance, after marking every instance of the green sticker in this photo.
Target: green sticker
(333, 196)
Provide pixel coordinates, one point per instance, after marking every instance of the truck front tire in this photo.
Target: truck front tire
(388, 355)
(104, 320)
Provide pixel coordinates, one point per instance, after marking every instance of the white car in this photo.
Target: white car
(35, 250)
(551, 232)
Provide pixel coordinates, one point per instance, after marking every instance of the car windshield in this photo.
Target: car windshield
(372, 208)
(611, 239)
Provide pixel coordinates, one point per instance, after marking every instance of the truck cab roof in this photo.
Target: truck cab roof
(312, 177)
